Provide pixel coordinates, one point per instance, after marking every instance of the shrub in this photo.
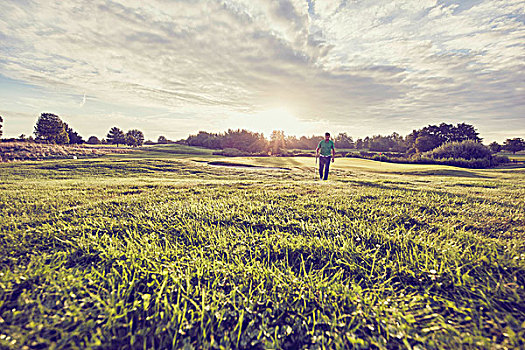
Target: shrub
(93, 140)
(466, 154)
(231, 152)
(464, 150)
(499, 159)
(366, 154)
(475, 163)
(352, 155)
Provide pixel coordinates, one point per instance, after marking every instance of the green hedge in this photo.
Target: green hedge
(466, 150)
(467, 154)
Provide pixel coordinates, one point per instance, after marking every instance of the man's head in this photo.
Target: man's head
(327, 136)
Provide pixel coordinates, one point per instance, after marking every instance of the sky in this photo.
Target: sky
(174, 67)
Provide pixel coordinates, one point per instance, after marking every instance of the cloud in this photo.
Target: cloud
(360, 64)
(83, 100)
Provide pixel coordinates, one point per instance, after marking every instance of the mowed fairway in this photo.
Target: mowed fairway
(160, 250)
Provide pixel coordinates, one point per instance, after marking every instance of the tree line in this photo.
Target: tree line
(50, 128)
(418, 141)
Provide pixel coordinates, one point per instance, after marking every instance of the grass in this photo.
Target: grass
(162, 250)
(25, 151)
(519, 157)
(170, 150)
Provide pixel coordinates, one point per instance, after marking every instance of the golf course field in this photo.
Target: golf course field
(174, 247)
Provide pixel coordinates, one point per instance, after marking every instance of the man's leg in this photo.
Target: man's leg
(321, 166)
(327, 167)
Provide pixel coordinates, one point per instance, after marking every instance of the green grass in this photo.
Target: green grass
(171, 150)
(161, 250)
(520, 156)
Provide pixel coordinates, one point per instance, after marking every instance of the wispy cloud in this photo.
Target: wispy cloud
(371, 66)
(83, 100)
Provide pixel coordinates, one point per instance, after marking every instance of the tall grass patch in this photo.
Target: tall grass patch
(180, 254)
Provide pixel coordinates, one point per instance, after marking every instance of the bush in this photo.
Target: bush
(476, 163)
(354, 155)
(467, 154)
(460, 150)
(442, 155)
(231, 152)
(93, 140)
(499, 159)
(366, 154)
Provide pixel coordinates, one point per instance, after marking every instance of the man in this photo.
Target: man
(327, 149)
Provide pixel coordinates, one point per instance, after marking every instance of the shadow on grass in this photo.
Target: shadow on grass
(241, 165)
(444, 172)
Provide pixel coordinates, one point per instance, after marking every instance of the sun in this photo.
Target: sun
(278, 119)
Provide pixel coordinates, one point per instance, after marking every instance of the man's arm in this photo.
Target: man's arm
(333, 153)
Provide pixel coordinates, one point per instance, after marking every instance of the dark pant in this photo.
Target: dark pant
(324, 166)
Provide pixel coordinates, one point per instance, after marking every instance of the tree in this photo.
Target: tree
(366, 142)
(50, 128)
(426, 143)
(291, 142)
(379, 143)
(344, 141)
(116, 136)
(1, 121)
(394, 142)
(93, 140)
(134, 138)
(465, 132)
(162, 140)
(436, 135)
(74, 137)
(399, 144)
(514, 145)
(202, 139)
(239, 139)
(495, 147)
(277, 141)
(304, 142)
(259, 146)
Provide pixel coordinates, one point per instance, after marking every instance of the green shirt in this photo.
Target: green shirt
(326, 147)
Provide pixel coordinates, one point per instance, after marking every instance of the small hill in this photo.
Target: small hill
(20, 151)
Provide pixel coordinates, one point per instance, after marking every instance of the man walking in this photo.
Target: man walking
(327, 149)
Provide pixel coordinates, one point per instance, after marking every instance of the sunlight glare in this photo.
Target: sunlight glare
(274, 119)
